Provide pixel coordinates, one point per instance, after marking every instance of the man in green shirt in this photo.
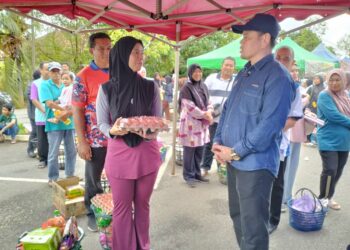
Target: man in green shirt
(8, 123)
(49, 91)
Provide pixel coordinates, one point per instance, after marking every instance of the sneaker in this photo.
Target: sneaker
(31, 154)
(42, 164)
(92, 223)
(191, 183)
(284, 208)
(271, 228)
(13, 141)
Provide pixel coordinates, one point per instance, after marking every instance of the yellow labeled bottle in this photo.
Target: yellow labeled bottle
(57, 113)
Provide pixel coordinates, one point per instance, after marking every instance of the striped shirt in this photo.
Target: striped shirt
(219, 90)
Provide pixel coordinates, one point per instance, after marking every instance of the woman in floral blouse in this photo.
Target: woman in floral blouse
(195, 117)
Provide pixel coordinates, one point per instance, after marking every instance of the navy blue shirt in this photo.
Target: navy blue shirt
(255, 113)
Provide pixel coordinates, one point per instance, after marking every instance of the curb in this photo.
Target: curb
(163, 167)
(21, 138)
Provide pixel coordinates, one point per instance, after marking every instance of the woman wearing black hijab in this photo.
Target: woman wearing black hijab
(132, 160)
(314, 91)
(195, 117)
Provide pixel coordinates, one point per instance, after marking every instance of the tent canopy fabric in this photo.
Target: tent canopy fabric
(176, 19)
(323, 52)
(302, 55)
(213, 59)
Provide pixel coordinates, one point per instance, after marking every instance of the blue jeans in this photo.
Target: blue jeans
(55, 139)
(13, 131)
(291, 171)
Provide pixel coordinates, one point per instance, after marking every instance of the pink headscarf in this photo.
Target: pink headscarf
(341, 98)
(347, 74)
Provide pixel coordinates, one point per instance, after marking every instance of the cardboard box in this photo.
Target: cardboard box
(42, 239)
(67, 207)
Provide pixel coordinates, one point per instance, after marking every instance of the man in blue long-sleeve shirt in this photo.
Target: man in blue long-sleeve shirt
(249, 131)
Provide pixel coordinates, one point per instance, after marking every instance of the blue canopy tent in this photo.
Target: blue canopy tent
(323, 52)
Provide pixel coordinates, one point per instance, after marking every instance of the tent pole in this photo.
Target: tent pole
(97, 16)
(314, 22)
(39, 20)
(177, 70)
(33, 44)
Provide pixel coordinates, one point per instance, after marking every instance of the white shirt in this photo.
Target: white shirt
(219, 89)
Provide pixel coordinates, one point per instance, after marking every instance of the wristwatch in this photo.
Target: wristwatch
(234, 156)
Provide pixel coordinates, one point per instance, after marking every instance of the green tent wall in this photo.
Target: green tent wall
(213, 59)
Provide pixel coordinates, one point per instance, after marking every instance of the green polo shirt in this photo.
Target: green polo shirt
(7, 119)
(49, 91)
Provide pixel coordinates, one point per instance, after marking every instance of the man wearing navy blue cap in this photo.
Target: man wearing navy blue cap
(249, 131)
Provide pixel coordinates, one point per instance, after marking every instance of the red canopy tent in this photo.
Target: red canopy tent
(176, 19)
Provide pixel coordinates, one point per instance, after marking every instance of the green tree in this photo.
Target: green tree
(319, 28)
(159, 56)
(13, 31)
(310, 37)
(55, 45)
(331, 49)
(344, 44)
(306, 38)
(204, 45)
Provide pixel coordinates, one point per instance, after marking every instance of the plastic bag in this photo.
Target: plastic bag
(305, 203)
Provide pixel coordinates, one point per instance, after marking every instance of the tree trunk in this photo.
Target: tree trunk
(20, 100)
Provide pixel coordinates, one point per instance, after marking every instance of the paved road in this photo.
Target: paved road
(182, 218)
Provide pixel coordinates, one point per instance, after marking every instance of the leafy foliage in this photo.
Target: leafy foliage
(306, 38)
(61, 46)
(344, 44)
(13, 31)
(319, 28)
(159, 56)
(204, 45)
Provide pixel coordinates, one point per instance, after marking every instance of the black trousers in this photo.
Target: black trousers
(33, 138)
(43, 144)
(277, 195)
(207, 158)
(249, 195)
(191, 163)
(333, 163)
(93, 171)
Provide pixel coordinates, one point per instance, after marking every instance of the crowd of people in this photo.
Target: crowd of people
(254, 123)
(251, 122)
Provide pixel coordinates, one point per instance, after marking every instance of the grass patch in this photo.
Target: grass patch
(22, 129)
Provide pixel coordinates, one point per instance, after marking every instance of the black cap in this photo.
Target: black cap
(260, 22)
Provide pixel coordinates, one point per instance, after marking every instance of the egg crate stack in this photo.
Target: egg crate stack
(102, 205)
(148, 124)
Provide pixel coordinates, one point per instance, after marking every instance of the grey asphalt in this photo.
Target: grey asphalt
(181, 217)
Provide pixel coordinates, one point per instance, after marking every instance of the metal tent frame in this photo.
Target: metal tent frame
(176, 19)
